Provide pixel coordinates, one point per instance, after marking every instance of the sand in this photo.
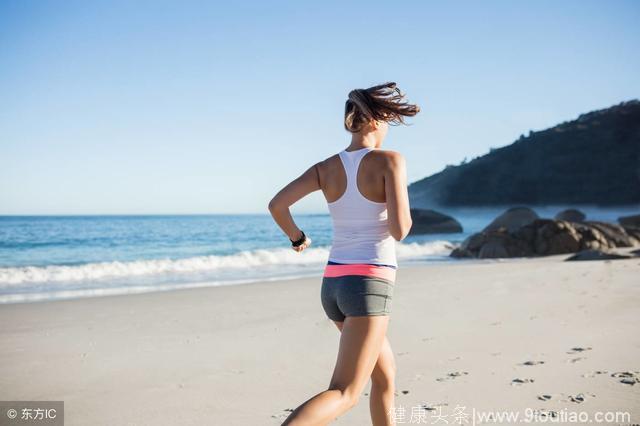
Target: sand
(245, 355)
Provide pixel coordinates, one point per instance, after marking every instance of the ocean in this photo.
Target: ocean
(61, 257)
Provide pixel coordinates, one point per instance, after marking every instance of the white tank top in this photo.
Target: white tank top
(360, 227)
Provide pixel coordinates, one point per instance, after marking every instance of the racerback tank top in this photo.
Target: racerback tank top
(360, 227)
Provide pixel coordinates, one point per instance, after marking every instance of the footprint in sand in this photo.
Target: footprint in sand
(578, 349)
(578, 398)
(594, 373)
(544, 414)
(452, 376)
(432, 407)
(519, 382)
(627, 377)
(532, 362)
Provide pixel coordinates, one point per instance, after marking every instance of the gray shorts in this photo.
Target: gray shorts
(356, 295)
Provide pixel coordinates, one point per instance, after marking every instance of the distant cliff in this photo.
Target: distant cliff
(592, 160)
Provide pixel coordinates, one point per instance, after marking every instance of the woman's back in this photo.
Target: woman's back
(360, 227)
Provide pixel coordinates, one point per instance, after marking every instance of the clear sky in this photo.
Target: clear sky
(110, 107)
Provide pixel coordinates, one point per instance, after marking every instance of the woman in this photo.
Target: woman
(366, 191)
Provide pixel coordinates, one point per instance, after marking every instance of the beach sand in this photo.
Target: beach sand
(246, 354)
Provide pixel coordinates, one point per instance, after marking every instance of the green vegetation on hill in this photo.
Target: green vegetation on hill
(594, 159)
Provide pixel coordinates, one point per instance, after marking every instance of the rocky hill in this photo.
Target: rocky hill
(594, 159)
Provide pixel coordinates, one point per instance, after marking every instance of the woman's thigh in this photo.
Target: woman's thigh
(361, 341)
(385, 367)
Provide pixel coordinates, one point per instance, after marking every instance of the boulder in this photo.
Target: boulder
(632, 221)
(426, 221)
(591, 237)
(597, 255)
(493, 244)
(512, 219)
(470, 246)
(633, 232)
(544, 237)
(614, 232)
(493, 249)
(555, 237)
(570, 215)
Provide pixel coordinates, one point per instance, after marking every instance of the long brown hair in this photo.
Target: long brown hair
(384, 102)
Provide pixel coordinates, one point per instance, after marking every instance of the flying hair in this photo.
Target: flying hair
(384, 102)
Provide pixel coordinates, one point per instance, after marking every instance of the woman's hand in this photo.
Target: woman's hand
(307, 243)
(279, 205)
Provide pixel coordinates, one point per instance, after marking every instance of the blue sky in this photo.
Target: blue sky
(205, 107)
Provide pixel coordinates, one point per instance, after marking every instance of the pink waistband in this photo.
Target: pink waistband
(360, 269)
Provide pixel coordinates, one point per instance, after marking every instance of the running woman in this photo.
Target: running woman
(366, 192)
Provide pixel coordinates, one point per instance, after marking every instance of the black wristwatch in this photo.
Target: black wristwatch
(300, 241)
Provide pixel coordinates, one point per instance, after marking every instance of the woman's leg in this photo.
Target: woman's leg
(382, 395)
(360, 344)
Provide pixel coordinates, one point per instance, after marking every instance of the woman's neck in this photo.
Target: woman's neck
(359, 141)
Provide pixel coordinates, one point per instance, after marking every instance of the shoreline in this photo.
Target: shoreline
(65, 281)
(244, 354)
(142, 289)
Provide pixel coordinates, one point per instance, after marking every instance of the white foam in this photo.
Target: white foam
(431, 248)
(255, 260)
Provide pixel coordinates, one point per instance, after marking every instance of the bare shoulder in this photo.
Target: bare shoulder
(391, 159)
(327, 162)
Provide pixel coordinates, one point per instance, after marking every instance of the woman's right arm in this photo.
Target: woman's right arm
(396, 192)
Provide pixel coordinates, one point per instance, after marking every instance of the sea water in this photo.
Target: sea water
(55, 257)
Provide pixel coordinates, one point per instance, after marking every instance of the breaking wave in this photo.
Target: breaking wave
(282, 259)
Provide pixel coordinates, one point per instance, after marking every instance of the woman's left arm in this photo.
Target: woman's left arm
(279, 205)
